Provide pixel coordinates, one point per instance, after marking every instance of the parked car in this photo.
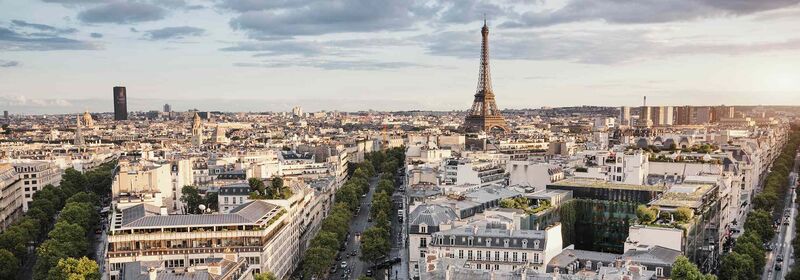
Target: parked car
(344, 265)
(369, 272)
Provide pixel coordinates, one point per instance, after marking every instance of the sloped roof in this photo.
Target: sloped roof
(142, 216)
(432, 215)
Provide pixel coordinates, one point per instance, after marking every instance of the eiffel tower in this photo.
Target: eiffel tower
(484, 116)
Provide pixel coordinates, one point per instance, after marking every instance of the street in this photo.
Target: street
(782, 246)
(358, 224)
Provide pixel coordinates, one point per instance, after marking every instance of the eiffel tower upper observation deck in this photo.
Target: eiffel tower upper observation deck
(484, 116)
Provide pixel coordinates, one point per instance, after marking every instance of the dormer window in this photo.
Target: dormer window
(452, 240)
(505, 242)
(469, 241)
(536, 244)
(488, 242)
(423, 228)
(524, 243)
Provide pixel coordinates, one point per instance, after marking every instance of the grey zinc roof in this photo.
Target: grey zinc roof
(254, 210)
(653, 255)
(137, 212)
(248, 213)
(568, 256)
(431, 214)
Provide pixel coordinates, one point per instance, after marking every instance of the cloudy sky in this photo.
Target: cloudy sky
(62, 56)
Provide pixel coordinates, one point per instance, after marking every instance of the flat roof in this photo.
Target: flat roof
(603, 184)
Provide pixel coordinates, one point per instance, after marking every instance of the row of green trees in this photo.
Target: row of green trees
(794, 273)
(75, 200)
(322, 250)
(748, 258)
(376, 240)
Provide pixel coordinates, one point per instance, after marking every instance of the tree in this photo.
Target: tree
(85, 197)
(325, 239)
(71, 238)
(80, 213)
(386, 186)
(360, 173)
(749, 245)
(265, 276)
(683, 214)
(9, 265)
(374, 244)
(191, 197)
(212, 201)
(256, 185)
(736, 266)
(317, 261)
(73, 181)
(646, 215)
(683, 269)
(75, 269)
(760, 222)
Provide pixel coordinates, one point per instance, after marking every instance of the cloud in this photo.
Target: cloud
(176, 32)
(23, 101)
(643, 11)
(8, 63)
(42, 27)
(70, 2)
(467, 11)
(321, 17)
(590, 47)
(96, 35)
(362, 65)
(11, 40)
(122, 12)
(258, 5)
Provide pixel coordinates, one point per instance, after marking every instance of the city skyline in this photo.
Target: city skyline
(232, 55)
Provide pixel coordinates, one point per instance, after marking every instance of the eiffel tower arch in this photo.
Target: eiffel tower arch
(484, 115)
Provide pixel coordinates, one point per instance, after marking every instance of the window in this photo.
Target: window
(488, 242)
(469, 241)
(480, 255)
(497, 267)
(514, 256)
(535, 258)
(423, 242)
(524, 243)
(497, 256)
(423, 228)
(524, 257)
(469, 254)
(225, 199)
(505, 243)
(488, 255)
(536, 244)
(441, 240)
(659, 271)
(505, 256)
(478, 266)
(460, 254)
(452, 240)
(422, 254)
(589, 265)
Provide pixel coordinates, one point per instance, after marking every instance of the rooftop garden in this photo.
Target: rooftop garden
(522, 203)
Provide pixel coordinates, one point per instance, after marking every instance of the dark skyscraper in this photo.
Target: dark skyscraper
(120, 104)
